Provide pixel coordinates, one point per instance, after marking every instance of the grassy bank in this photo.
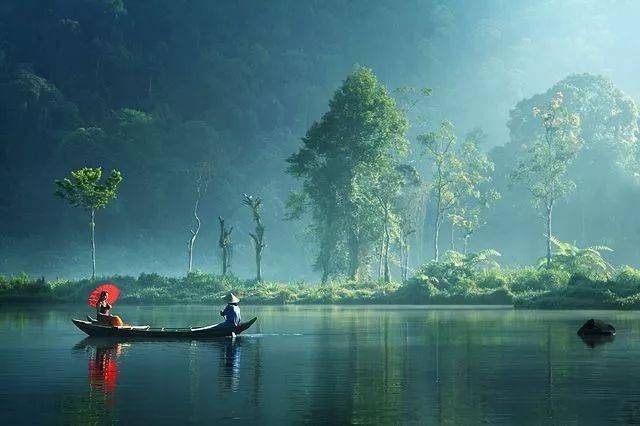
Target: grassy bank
(434, 283)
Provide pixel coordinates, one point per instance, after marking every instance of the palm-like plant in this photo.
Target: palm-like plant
(587, 261)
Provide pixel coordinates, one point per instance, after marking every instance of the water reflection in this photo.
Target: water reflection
(334, 365)
(230, 362)
(103, 365)
(593, 341)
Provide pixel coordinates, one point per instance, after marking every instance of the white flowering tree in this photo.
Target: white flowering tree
(542, 170)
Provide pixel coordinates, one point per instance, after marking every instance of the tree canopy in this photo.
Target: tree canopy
(349, 162)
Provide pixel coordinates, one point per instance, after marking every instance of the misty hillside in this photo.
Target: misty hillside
(154, 88)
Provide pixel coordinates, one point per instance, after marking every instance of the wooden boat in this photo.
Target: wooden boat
(94, 328)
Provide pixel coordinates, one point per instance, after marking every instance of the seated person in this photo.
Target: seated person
(103, 311)
(231, 312)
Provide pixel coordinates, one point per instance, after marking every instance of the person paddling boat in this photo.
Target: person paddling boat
(231, 313)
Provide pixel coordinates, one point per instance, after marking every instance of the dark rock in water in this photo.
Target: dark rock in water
(593, 340)
(595, 327)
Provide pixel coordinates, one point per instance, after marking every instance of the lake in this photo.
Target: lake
(330, 364)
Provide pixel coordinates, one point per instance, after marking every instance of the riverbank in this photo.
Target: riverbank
(435, 283)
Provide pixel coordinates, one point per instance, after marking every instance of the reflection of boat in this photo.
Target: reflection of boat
(207, 332)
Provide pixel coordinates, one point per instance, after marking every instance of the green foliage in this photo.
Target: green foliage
(349, 165)
(461, 180)
(84, 188)
(528, 280)
(483, 259)
(21, 287)
(542, 170)
(477, 193)
(459, 278)
(586, 261)
(435, 283)
(627, 281)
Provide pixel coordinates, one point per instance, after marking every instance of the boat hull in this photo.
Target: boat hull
(100, 330)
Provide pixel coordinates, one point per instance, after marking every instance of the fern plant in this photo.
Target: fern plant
(480, 259)
(586, 261)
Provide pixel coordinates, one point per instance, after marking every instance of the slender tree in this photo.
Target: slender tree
(388, 191)
(410, 215)
(255, 204)
(84, 189)
(448, 172)
(203, 173)
(224, 242)
(542, 171)
(477, 193)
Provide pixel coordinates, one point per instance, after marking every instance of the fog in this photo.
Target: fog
(240, 83)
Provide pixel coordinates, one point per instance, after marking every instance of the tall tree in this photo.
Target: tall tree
(203, 174)
(410, 208)
(255, 204)
(358, 141)
(477, 193)
(84, 189)
(609, 131)
(542, 171)
(224, 242)
(448, 172)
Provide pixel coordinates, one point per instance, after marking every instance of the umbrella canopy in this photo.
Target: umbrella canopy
(114, 293)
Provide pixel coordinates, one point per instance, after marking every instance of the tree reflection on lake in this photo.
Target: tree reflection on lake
(336, 364)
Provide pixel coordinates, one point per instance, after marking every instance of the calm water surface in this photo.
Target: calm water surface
(323, 364)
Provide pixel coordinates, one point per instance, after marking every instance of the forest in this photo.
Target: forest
(182, 155)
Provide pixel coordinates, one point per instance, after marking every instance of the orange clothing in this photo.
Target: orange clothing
(116, 321)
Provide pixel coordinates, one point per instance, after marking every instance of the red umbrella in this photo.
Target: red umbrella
(114, 293)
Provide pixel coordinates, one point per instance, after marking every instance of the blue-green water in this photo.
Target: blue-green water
(331, 364)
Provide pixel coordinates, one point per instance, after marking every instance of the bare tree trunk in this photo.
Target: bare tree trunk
(453, 241)
(420, 238)
(224, 242)
(380, 257)
(255, 204)
(549, 212)
(194, 234)
(325, 275)
(405, 261)
(354, 257)
(436, 236)
(387, 238)
(258, 263)
(259, 245)
(466, 242)
(192, 240)
(92, 225)
(402, 254)
(325, 256)
(224, 261)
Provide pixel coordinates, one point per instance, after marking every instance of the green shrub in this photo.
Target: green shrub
(627, 282)
(533, 279)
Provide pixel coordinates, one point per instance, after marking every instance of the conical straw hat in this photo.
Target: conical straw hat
(231, 298)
